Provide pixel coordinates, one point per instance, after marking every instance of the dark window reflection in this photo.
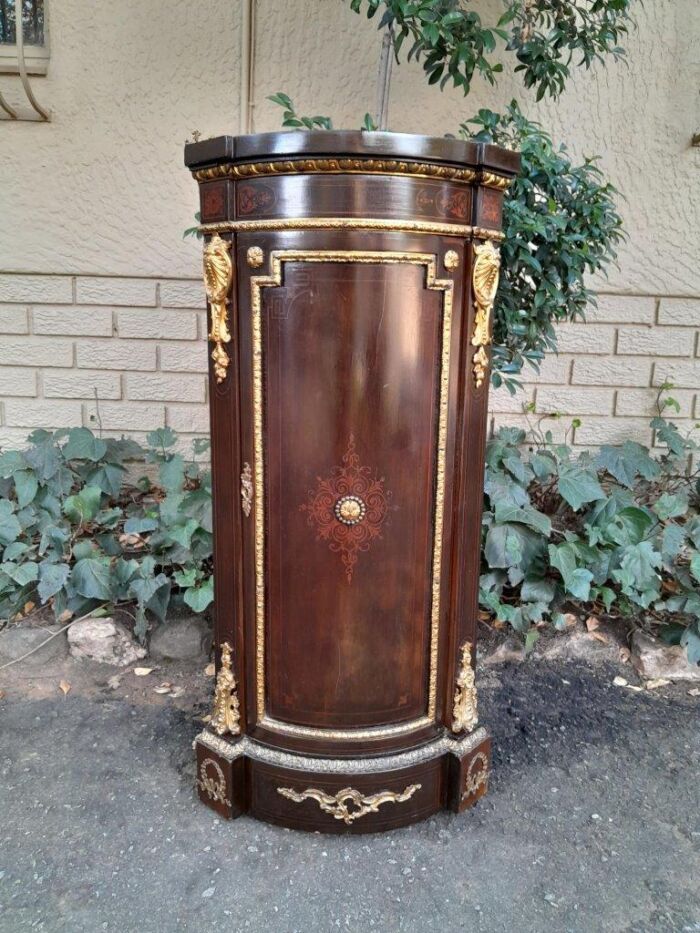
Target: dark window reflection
(32, 21)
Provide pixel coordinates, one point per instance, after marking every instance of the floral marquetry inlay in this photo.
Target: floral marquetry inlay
(348, 508)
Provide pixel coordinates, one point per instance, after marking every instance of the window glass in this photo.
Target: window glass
(32, 21)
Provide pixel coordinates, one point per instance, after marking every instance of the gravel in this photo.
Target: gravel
(591, 824)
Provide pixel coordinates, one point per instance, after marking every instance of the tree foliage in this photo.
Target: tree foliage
(546, 37)
(561, 223)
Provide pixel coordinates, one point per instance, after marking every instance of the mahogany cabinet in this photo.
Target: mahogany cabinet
(350, 279)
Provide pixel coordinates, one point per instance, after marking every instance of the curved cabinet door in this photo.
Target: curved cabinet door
(347, 361)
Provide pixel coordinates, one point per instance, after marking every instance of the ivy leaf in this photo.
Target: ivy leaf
(535, 589)
(15, 550)
(172, 473)
(163, 437)
(26, 485)
(11, 461)
(185, 578)
(83, 445)
(52, 578)
(45, 459)
(22, 574)
(182, 534)
(506, 512)
(638, 573)
(84, 506)
(695, 565)
(109, 478)
(91, 578)
(10, 528)
(579, 485)
(670, 505)
(577, 580)
(199, 597)
(672, 539)
(690, 639)
(625, 463)
(139, 525)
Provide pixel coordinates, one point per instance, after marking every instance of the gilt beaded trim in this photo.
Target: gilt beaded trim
(254, 750)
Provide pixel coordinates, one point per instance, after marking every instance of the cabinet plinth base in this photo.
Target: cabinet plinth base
(356, 795)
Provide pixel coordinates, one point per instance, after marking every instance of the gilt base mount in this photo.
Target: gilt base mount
(352, 795)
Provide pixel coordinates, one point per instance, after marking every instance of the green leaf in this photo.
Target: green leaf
(10, 528)
(15, 550)
(579, 485)
(185, 578)
(691, 642)
(671, 505)
(638, 573)
(531, 640)
(672, 539)
(695, 565)
(536, 589)
(22, 574)
(139, 525)
(199, 597)
(109, 478)
(52, 578)
(11, 461)
(163, 438)
(505, 512)
(503, 547)
(84, 506)
(45, 459)
(172, 473)
(91, 578)
(83, 445)
(625, 463)
(26, 485)
(577, 580)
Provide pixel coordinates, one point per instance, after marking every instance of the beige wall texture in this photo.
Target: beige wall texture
(100, 296)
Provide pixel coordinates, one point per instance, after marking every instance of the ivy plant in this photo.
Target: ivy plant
(617, 531)
(76, 532)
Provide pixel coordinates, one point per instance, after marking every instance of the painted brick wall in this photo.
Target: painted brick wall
(127, 354)
(132, 353)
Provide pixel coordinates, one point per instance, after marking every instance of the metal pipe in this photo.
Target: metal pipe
(247, 67)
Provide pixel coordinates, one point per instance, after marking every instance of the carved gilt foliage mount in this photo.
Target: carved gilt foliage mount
(218, 276)
(485, 275)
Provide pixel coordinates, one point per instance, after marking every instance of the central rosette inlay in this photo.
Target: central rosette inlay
(350, 510)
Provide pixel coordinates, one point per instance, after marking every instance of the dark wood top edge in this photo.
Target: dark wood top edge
(352, 143)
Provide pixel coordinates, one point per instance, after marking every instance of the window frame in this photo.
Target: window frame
(36, 57)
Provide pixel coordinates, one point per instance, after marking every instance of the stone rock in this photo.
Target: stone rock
(187, 638)
(653, 659)
(104, 640)
(19, 639)
(580, 645)
(510, 651)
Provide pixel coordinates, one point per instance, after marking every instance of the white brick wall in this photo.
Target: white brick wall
(609, 371)
(130, 354)
(125, 354)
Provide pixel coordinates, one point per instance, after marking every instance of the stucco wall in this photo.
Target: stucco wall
(101, 192)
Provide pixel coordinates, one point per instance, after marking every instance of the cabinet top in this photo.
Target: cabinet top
(351, 143)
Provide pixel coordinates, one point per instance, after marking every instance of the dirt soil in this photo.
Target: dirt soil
(591, 824)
